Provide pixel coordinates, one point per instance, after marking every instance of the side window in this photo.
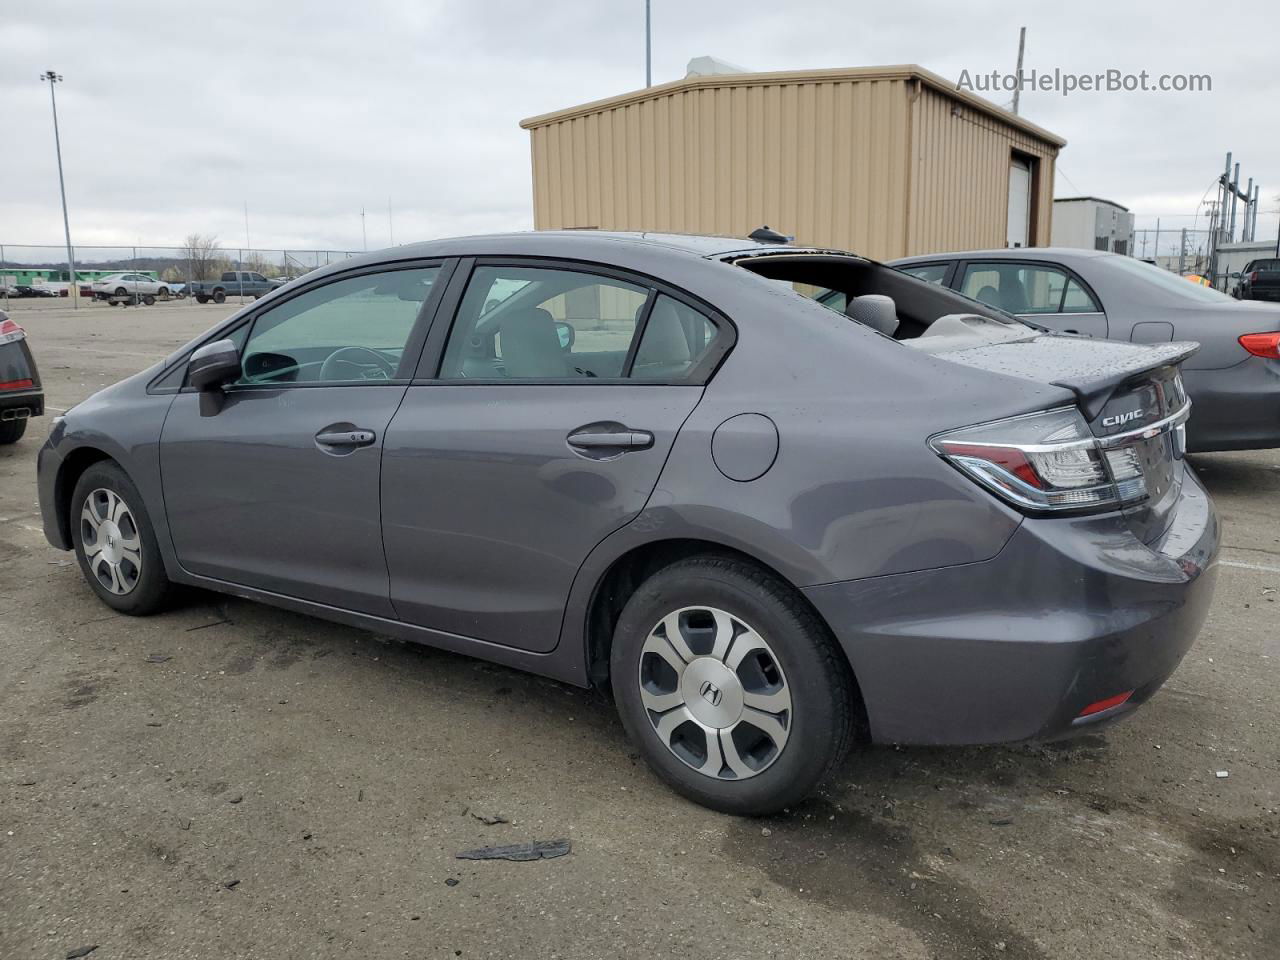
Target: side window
(1077, 300)
(531, 323)
(675, 339)
(1014, 287)
(928, 272)
(350, 330)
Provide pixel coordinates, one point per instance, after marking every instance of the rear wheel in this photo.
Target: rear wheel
(115, 542)
(149, 300)
(202, 299)
(731, 686)
(11, 431)
(219, 296)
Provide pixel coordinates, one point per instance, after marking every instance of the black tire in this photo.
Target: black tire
(121, 292)
(202, 299)
(147, 593)
(219, 296)
(11, 431)
(814, 671)
(149, 300)
(163, 293)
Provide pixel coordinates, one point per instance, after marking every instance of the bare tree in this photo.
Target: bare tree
(202, 254)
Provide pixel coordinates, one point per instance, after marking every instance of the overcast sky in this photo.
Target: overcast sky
(176, 115)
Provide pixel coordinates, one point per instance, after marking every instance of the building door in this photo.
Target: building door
(1019, 202)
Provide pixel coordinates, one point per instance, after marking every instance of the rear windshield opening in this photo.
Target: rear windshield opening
(837, 281)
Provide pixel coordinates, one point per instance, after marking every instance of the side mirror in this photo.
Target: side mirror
(1235, 276)
(566, 333)
(213, 365)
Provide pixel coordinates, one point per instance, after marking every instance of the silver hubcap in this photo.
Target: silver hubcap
(112, 545)
(715, 693)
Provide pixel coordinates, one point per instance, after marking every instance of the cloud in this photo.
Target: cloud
(174, 116)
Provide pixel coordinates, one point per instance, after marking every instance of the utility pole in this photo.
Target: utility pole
(1248, 212)
(1182, 253)
(73, 289)
(1017, 90)
(648, 46)
(1235, 192)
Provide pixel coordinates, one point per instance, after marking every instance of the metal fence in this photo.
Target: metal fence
(168, 263)
(1178, 249)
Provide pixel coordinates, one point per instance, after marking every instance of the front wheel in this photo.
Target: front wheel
(11, 431)
(115, 542)
(730, 685)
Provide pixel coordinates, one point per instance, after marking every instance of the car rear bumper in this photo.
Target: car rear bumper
(1236, 408)
(1070, 613)
(20, 404)
(1263, 293)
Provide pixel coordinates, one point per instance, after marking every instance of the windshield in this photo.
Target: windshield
(1170, 282)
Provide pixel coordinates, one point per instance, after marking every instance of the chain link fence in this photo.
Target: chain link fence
(1179, 250)
(45, 265)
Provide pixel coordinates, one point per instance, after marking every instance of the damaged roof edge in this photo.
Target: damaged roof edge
(907, 71)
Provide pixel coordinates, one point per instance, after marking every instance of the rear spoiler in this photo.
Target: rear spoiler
(1095, 387)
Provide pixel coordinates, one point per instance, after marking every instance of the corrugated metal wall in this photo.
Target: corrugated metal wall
(826, 160)
(960, 177)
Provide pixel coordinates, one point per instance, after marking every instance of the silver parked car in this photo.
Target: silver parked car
(649, 462)
(1234, 379)
(129, 285)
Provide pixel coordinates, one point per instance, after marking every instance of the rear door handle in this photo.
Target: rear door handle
(346, 438)
(620, 440)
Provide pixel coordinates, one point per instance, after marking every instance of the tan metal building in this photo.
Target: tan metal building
(886, 161)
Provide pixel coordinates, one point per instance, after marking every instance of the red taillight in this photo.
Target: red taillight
(1010, 458)
(1265, 345)
(1106, 704)
(1253, 277)
(16, 384)
(10, 331)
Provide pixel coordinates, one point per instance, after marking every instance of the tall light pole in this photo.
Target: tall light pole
(73, 289)
(648, 48)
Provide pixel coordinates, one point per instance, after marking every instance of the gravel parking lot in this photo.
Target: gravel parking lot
(229, 780)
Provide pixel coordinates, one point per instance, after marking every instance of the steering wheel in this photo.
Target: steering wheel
(340, 357)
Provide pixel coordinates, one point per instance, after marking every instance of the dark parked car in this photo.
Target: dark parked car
(36, 290)
(21, 396)
(1259, 280)
(1234, 379)
(647, 461)
(233, 283)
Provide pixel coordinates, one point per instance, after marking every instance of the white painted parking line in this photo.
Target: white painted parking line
(1265, 568)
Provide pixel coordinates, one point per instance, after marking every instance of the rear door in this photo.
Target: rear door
(1049, 294)
(538, 425)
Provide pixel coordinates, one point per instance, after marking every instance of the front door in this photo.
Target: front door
(543, 429)
(278, 489)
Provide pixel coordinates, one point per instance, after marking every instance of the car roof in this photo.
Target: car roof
(604, 246)
(1064, 254)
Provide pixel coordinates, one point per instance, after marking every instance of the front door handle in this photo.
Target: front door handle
(596, 439)
(356, 437)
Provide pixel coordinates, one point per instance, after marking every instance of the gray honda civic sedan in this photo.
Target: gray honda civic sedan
(656, 464)
(1234, 379)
